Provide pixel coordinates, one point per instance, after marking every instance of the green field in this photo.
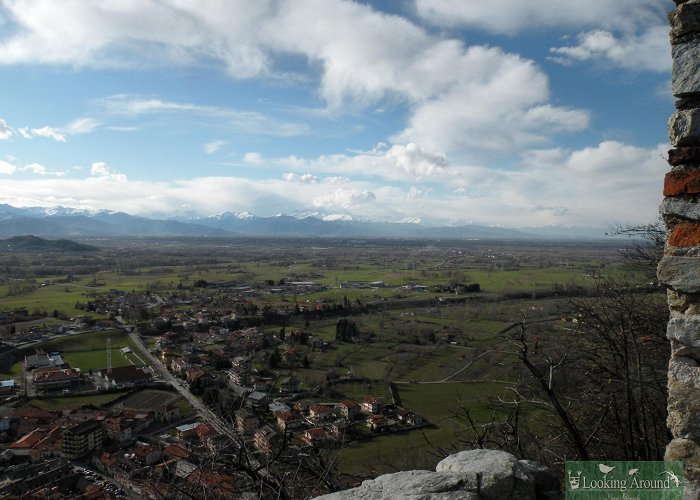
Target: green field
(423, 448)
(439, 343)
(75, 402)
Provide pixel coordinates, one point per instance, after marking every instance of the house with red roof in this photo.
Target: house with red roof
(314, 437)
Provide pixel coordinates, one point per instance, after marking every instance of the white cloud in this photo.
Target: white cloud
(39, 169)
(214, 146)
(245, 121)
(305, 178)
(344, 198)
(82, 126)
(512, 16)
(24, 132)
(100, 170)
(474, 98)
(400, 163)
(416, 161)
(5, 130)
(647, 51)
(49, 132)
(631, 34)
(7, 168)
(253, 158)
(609, 182)
(336, 180)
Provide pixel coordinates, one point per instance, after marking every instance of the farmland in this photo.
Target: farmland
(426, 316)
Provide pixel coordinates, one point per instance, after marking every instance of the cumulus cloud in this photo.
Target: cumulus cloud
(400, 163)
(49, 132)
(5, 130)
(336, 180)
(7, 168)
(513, 16)
(416, 161)
(253, 158)
(305, 178)
(647, 51)
(39, 169)
(611, 181)
(343, 198)
(100, 170)
(35, 168)
(364, 57)
(631, 34)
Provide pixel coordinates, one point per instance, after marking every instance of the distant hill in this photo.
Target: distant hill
(61, 222)
(34, 243)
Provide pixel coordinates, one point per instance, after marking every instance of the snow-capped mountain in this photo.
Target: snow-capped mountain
(62, 221)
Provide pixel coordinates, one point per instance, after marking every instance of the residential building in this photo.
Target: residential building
(179, 365)
(43, 360)
(246, 422)
(46, 379)
(372, 405)
(320, 412)
(289, 384)
(288, 421)
(258, 399)
(266, 439)
(80, 439)
(125, 376)
(349, 409)
(146, 454)
(186, 431)
(7, 387)
(314, 437)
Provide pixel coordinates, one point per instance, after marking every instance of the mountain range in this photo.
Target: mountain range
(69, 222)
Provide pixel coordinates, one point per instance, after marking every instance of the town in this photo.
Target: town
(261, 371)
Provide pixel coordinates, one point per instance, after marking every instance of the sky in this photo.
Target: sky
(513, 113)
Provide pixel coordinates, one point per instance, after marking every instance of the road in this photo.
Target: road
(209, 416)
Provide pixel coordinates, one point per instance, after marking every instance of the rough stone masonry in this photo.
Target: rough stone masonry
(679, 268)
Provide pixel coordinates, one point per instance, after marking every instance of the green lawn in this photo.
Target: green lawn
(418, 449)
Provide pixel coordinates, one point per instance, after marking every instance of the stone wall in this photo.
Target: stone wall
(679, 268)
(468, 475)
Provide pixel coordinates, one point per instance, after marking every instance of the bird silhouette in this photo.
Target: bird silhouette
(632, 472)
(605, 469)
(673, 477)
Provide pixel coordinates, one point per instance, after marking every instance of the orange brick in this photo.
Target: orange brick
(685, 235)
(678, 182)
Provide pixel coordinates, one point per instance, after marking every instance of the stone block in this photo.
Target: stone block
(687, 102)
(687, 451)
(680, 273)
(682, 350)
(684, 127)
(685, 19)
(468, 475)
(682, 181)
(683, 397)
(686, 234)
(687, 332)
(685, 78)
(686, 209)
(684, 156)
(501, 476)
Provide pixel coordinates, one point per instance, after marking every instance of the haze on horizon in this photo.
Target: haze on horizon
(517, 113)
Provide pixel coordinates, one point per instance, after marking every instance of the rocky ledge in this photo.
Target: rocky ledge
(473, 474)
